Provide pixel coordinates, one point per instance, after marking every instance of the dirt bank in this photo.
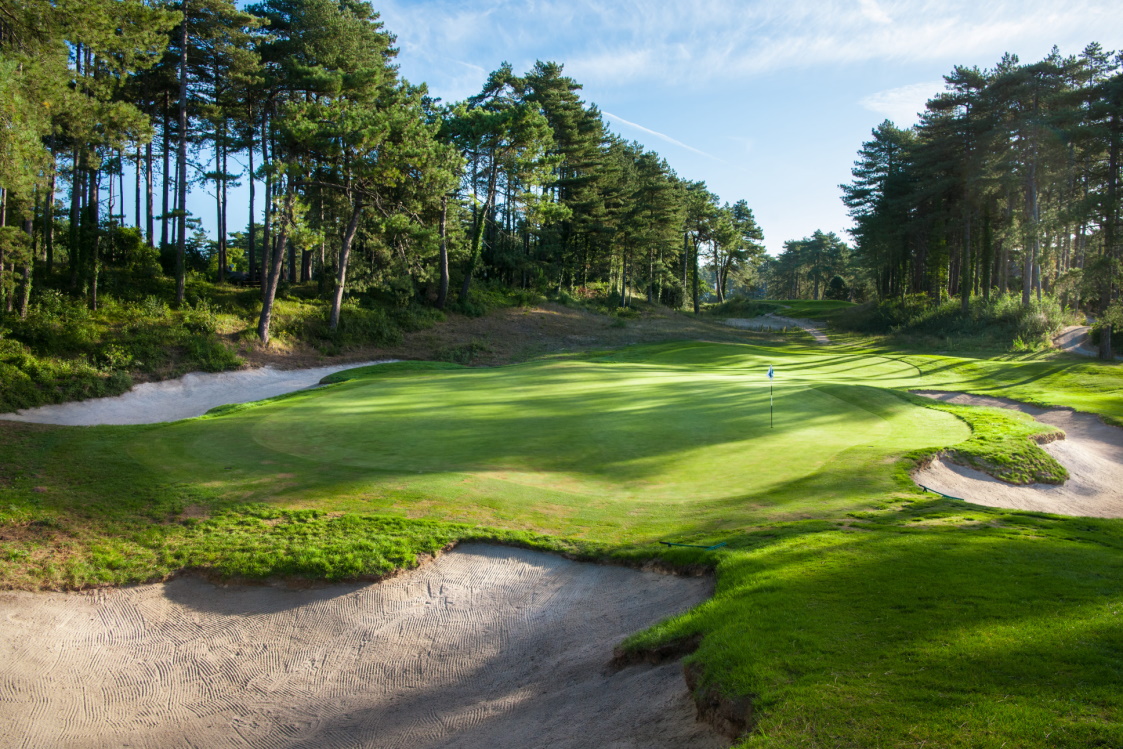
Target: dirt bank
(1092, 452)
(486, 647)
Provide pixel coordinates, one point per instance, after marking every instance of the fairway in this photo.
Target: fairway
(631, 444)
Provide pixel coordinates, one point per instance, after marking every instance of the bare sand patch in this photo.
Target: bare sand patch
(486, 647)
(777, 322)
(1074, 339)
(183, 398)
(1091, 452)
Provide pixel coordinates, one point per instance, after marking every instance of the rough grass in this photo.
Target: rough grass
(933, 625)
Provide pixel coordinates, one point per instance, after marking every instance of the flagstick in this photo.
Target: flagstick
(770, 424)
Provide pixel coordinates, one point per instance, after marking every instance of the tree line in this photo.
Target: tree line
(368, 180)
(1008, 184)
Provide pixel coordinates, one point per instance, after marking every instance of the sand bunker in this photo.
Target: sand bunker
(1092, 452)
(776, 322)
(183, 398)
(486, 647)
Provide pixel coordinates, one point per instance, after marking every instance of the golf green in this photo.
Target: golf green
(628, 445)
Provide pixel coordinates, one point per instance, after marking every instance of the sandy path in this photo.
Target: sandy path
(1075, 340)
(1092, 452)
(486, 647)
(777, 322)
(183, 398)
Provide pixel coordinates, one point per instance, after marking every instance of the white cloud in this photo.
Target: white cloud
(874, 12)
(904, 103)
(658, 135)
(630, 41)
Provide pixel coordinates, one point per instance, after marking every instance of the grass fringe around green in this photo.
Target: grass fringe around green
(1005, 444)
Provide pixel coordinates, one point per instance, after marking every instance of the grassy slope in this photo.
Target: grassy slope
(854, 610)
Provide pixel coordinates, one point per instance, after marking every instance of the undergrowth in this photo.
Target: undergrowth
(1001, 323)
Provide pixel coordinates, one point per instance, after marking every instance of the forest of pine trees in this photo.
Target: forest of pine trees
(112, 110)
(1009, 184)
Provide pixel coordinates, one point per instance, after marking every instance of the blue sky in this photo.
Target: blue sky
(766, 100)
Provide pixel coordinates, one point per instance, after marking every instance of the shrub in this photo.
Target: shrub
(1001, 322)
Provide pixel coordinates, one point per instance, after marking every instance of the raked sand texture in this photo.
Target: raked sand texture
(485, 647)
(1091, 452)
(182, 398)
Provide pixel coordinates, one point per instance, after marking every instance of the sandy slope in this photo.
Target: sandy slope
(1092, 452)
(777, 322)
(183, 398)
(486, 647)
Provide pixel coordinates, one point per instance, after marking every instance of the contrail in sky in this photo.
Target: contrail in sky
(659, 135)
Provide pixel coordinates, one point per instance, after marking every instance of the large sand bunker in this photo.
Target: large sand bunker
(183, 398)
(1092, 452)
(486, 647)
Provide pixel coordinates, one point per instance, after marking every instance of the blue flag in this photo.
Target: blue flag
(770, 373)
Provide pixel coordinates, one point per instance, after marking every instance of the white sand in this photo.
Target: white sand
(777, 322)
(1092, 453)
(183, 398)
(485, 648)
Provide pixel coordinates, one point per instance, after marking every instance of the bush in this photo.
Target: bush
(358, 326)
(1002, 322)
(27, 381)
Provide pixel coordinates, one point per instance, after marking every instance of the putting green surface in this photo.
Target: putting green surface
(626, 446)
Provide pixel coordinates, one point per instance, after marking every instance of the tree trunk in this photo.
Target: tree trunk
(344, 255)
(695, 281)
(267, 223)
(717, 272)
(988, 256)
(305, 266)
(94, 233)
(1109, 233)
(276, 261)
(77, 187)
(181, 237)
(1032, 240)
(477, 237)
(49, 217)
(442, 293)
(253, 210)
(166, 176)
(120, 187)
(965, 267)
(148, 199)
